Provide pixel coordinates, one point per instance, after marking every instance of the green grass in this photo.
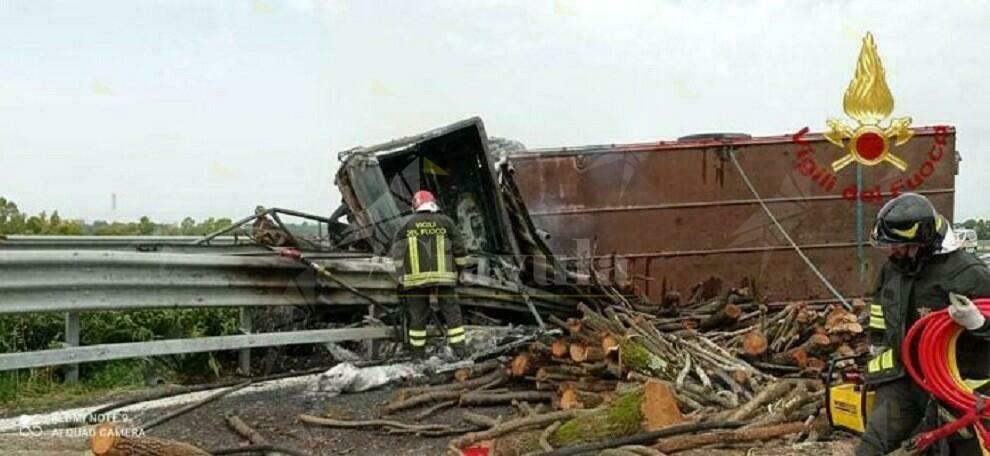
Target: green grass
(41, 388)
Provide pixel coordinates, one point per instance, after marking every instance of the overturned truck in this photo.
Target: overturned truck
(671, 214)
(339, 278)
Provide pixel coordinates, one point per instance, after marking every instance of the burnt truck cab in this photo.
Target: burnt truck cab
(453, 162)
(478, 192)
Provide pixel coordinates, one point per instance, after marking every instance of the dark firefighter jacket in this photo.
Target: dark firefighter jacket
(900, 299)
(427, 250)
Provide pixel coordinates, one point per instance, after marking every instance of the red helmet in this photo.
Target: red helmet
(422, 197)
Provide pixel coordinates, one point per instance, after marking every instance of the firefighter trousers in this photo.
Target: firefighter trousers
(902, 410)
(417, 302)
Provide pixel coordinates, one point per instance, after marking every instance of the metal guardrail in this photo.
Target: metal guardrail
(75, 281)
(174, 244)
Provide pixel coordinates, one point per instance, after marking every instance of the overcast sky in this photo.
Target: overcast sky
(207, 108)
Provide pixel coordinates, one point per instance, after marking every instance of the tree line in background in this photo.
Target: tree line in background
(28, 332)
(13, 221)
(982, 227)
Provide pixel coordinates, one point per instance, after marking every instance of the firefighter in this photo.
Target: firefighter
(926, 270)
(429, 251)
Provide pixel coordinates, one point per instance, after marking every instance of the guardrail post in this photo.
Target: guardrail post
(247, 327)
(71, 340)
(372, 347)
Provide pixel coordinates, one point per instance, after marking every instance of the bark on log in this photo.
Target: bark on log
(110, 440)
(688, 442)
(581, 353)
(635, 356)
(642, 438)
(414, 397)
(435, 408)
(725, 316)
(426, 398)
(486, 398)
(478, 419)
(797, 356)
(770, 394)
(465, 373)
(242, 429)
(334, 423)
(572, 398)
(819, 345)
(513, 425)
(621, 418)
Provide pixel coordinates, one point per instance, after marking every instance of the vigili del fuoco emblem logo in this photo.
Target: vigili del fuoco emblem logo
(868, 101)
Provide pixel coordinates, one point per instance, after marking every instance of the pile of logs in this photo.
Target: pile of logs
(794, 339)
(718, 371)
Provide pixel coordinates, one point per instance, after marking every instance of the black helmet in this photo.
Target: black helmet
(909, 219)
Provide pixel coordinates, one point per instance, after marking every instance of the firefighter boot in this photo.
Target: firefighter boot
(417, 354)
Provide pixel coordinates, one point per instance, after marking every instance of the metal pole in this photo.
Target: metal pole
(71, 340)
(246, 327)
(860, 253)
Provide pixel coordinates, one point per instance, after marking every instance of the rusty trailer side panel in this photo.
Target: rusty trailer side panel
(677, 213)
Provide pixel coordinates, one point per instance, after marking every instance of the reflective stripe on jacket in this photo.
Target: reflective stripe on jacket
(427, 251)
(902, 298)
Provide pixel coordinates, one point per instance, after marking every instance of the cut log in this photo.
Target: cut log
(754, 343)
(659, 408)
(621, 418)
(797, 356)
(108, 439)
(815, 366)
(610, 344)
(475, 370)
(725, 316)
(568, 400)
(819, 345)
(560, 348)
(581, 353)
(522, 364)
(574, 326)
(560, 371)
(594, 385)
(839, 321)
(573, 398)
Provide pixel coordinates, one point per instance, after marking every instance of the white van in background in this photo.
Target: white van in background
(969, 240)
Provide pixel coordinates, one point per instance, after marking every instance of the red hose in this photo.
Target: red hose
(932, 339)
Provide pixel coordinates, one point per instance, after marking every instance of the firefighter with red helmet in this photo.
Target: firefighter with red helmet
(428, 250)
